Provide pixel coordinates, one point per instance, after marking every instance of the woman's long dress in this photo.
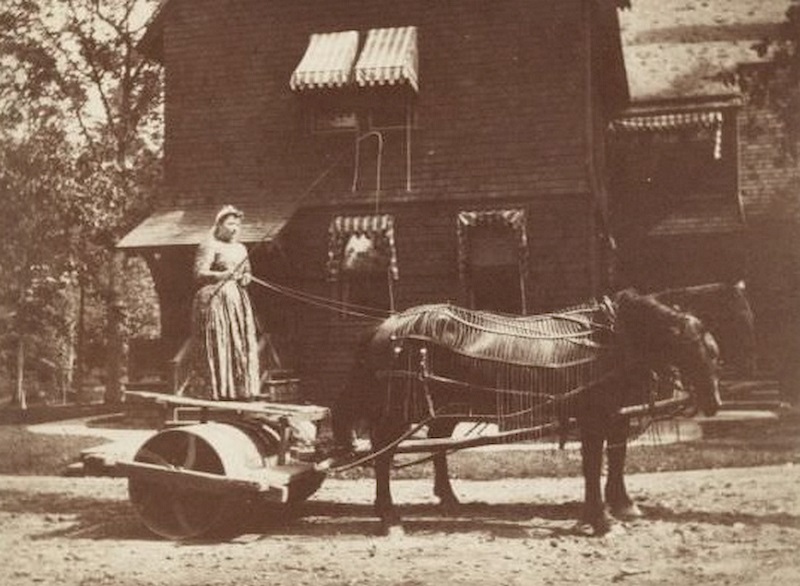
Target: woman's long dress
(225, 347)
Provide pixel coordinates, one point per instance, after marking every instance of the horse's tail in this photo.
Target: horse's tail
(357, 399)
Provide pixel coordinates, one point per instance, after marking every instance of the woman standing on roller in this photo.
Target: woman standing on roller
(225, 365)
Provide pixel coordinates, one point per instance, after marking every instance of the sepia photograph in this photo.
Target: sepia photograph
(399, 293)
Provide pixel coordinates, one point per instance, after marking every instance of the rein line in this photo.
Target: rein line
(350, 309)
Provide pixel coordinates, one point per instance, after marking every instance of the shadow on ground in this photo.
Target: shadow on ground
(101, 519)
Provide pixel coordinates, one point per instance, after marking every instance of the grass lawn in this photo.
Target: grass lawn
(25, 453)
(729, 444)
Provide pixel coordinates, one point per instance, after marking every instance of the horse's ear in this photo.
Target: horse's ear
(684, 323)
(625, 296)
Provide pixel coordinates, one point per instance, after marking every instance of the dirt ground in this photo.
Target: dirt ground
(727, 526)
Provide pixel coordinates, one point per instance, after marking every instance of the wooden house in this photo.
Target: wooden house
(386, 154)
(701, 189)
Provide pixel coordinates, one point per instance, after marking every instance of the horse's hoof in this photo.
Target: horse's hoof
(601, 529)
(596, 526)
(627, 512)
(449, 505)
(583, 529)
(392, 530)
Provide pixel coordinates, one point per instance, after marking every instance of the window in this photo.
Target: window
(494, 276)
(493, 259)
(362, 260)
(365, 91)
(676, 157)
(394, 114)
(683, 166)
(328, 119)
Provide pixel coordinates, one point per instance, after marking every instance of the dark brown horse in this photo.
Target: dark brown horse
(439, 364)
(725, 310)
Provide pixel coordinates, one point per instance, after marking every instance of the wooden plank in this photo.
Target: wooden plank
(273, 410)
(652, 408)
(270, 484)
(413, 446)
(752, 405)
(187, 479)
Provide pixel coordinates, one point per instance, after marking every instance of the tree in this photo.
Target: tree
(70, 67)
(776, 85)
(35, 186)
(777, 81)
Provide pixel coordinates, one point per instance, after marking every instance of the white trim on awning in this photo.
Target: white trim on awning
(674, 121)
(700, 120)
(389, 57)
(327, 62)
(378, 228)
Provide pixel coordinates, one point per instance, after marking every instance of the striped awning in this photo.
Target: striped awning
(362, 225)
(701, 120)
(328, 61)
(515, 218)
(674, 121)
(378, 228)
(389, 57)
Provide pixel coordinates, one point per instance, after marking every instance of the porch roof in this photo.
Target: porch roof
(693, 48)
(701, 217)
(188, 226)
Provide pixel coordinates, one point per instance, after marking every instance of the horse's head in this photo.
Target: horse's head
(696, 354)
(659, 337)
(725, 311)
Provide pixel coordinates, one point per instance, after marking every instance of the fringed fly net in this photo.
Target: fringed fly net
(521, 371)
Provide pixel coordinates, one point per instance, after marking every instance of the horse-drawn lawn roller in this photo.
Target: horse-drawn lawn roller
(204, 474)
(587, 368)
(200, 478)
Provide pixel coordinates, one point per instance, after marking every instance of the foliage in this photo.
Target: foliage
(79, 163)
(777, 82)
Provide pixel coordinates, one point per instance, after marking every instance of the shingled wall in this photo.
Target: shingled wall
(501, 122)
(770, 184)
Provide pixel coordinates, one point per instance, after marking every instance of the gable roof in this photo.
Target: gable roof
(152, 42)
(683, 48)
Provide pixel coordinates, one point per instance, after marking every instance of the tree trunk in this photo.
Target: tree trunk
(22, 400)
(116, 359)
(80, 358)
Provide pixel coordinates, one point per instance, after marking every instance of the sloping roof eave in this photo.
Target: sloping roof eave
(618, 94)
(686, 104)
(151, 44)
(190, 225)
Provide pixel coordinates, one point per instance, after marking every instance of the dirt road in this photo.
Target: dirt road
(731, 526)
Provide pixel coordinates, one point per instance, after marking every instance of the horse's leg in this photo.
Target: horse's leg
(620, 504)
(441, 483)
(384, 506)
(592, 440)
